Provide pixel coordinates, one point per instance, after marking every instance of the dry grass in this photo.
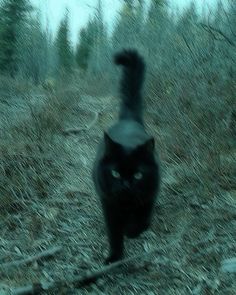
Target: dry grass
(47, 196)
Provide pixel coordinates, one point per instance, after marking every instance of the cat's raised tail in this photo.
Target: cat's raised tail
(131, 84)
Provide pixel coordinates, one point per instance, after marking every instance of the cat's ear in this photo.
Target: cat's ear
(149, 145)
(108, 141)
(110, 145)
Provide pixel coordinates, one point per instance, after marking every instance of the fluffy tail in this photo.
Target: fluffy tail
(131, 84)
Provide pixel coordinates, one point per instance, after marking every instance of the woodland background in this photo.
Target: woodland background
(55, 102)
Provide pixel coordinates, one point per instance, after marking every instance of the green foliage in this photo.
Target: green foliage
(157, 11)
(86, 42)
(98, 60)
(129, 26)
(97, 45)
(157, 22)
(13, 15)
(34, 52)
(188, 21)
(64, 49)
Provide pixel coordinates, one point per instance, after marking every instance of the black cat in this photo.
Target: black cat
(126, 173)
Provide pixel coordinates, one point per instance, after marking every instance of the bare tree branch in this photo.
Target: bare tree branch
(45, 254)
(78, 281)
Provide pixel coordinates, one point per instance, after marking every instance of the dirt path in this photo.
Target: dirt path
(192, 235)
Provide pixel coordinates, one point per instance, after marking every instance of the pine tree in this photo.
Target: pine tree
(34, 51)
(157, 12)
(157, 36)
(13, 15)
(98, 62)
(127, 30)
(187, 23)
(85, 44)
(156, 24)
(193, 44)
(64, 49)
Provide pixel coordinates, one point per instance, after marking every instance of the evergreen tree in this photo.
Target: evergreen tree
(128, 29)
(13, 16)
(34, 51)
(157, 13)
(157, 25)
(195, 45)
(98, 62)
(188, 22)
(64, 49)
(85, 44)
(156, 33)
(222, 33)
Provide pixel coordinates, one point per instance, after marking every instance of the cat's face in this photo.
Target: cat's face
(128, 170)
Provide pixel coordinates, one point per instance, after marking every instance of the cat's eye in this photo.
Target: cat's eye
(115, 173)
(138, 175)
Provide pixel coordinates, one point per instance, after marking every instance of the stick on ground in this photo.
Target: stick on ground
(44, 254)
(78, 281)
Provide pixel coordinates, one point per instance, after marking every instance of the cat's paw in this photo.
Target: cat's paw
(113, 258)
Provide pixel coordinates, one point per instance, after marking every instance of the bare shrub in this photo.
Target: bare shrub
(31, 155)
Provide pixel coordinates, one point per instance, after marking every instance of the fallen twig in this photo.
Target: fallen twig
(21, 262)
(78, 281)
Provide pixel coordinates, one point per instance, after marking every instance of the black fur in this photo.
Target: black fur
(131, 84)
(126, 172)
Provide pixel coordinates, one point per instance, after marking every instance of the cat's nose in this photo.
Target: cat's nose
(126, 184)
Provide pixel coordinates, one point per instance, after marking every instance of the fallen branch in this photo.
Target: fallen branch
(21, 262)
(78, 281)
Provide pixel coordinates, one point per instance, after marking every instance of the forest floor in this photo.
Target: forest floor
(188, 241)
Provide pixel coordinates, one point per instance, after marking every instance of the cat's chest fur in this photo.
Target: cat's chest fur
(125, 168)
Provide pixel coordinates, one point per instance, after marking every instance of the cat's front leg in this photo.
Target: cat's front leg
(143, 216)
(139, 220)
(115, 234)
(116, 247)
